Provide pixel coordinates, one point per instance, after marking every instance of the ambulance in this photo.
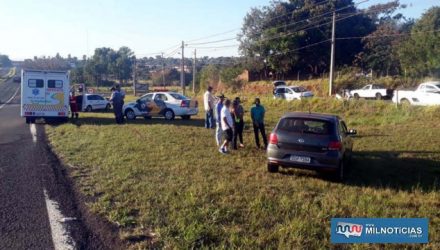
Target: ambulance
(45, 94)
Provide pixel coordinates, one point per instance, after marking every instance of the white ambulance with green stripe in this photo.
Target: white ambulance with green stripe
(44, 94)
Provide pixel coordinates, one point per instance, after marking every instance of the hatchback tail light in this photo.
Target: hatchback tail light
(334, 145)
(273, 139)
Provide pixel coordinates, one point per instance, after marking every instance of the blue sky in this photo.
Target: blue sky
(35, 28)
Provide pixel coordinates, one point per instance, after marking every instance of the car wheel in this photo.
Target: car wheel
(186, 117)
(129, 113)
(89, 108)
(378, 96)
(168, 114)
(405, 102)
(356, 96)
(272, 168)
(107, 108)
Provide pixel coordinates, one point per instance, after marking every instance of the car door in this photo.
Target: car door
(279, 92)
(91, 101)
(431, 95)
(346, 140)
(290, 94)
(101, 103)
(367, 92)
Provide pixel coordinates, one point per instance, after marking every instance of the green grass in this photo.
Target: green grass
(166, 186)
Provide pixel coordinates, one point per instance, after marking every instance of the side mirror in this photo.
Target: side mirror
(352, 132)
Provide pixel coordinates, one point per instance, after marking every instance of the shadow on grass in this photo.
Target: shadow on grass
(141, 121)
(399, 170)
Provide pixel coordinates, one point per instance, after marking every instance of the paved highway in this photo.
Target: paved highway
(37, 209)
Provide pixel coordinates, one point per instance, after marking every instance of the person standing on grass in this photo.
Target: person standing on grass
(73, 105)
(208, 101)
(217, 113)
(257, 116)
(122, 92)
(237, 112)
(117, 101)
(227, 124)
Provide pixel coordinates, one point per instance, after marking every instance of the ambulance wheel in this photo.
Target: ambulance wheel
(89, 108)
(28, 120)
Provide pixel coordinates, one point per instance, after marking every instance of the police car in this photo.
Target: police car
(161, 104)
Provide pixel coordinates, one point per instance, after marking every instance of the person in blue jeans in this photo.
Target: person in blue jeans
(217, 112)
(257, 116)
(208, 102)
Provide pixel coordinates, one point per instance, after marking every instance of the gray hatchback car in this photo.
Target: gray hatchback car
(319, 142)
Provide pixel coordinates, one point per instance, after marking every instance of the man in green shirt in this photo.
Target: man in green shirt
(257, 115)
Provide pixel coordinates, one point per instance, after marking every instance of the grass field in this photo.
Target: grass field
(165, 184)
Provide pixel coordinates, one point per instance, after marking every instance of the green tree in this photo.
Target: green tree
(279, 33)
(420, 53)
(5, 61)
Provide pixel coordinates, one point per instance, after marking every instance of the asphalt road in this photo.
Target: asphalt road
(37, 206)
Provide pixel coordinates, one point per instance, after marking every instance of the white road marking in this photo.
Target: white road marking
(10, 99)
(61, 239)
(33, 129)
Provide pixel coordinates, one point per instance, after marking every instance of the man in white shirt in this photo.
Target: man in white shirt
(208, 101)
(227, 125)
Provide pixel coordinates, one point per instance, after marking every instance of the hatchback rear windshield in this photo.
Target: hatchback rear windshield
(306, 126)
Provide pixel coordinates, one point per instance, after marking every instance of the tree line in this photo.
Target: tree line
(285, 38)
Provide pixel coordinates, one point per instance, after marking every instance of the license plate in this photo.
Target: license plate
(300, 159)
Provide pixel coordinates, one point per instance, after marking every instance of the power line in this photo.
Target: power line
(303, 47)
(216, 47)
(217, 41)
(213, 35)
(390, 35)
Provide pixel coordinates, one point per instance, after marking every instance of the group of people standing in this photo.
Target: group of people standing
(228, 117)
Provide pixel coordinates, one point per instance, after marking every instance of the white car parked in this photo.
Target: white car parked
(375, 91)
(427, 93)
(166, 104)
(94, 102)
(292, 92)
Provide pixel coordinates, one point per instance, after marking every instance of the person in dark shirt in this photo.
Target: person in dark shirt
(257, 116)
(237, 112)
(117, 102)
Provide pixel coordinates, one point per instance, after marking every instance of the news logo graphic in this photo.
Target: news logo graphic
(349, 229)
(379, 230)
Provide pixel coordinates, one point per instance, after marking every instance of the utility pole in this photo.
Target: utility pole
(163, 71)
(182, 70)
(134, 76)
(194, 71)
(332, 55)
